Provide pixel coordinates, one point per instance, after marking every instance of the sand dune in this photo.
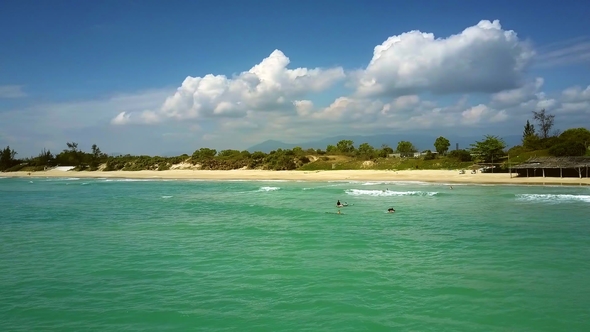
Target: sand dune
(444, 176)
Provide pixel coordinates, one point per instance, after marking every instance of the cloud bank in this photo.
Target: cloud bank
(481, 59)
(476, 81)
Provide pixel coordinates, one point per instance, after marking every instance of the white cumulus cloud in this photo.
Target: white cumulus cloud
(474, 81)
(268, 86)
(482, 58)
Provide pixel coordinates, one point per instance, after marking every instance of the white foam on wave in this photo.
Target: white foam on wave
(252, 180)
(326, 186)
(554, 198)
(166, 196)
(128, 180)
(268, 188)
(396, 183)
(387, 193)
(61, 179)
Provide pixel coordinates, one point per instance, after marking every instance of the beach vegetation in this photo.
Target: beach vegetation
(489, 149)
(529, 131)
(343, 155)
(545, 122)
(441, 144)
(7, 159)
(460, 155)
(345, 146)
(405, 148)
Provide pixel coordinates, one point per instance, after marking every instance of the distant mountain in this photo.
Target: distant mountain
(271, 145)
(422, 142)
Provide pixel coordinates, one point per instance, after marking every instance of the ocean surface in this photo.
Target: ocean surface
(157, 255)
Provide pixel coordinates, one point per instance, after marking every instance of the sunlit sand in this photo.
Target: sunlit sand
(441, 176)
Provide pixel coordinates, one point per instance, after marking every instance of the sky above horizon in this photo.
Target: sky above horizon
(156, 77)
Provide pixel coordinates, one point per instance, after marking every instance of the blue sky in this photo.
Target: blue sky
(68, 69)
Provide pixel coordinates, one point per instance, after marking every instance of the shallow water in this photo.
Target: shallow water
(142, 255)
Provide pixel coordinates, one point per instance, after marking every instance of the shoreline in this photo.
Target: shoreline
(430, 176)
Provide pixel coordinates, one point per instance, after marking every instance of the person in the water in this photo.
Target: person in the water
(338, 203)
(390, 210)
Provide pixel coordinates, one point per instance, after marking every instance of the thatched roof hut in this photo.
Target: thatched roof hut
(555, 162)
(555, 166)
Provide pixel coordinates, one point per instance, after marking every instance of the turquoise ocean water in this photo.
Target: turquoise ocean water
(132, 255)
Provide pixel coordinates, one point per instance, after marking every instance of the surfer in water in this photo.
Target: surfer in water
(338, 204)
(390, 210)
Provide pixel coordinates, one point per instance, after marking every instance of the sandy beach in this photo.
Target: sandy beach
(440, 176)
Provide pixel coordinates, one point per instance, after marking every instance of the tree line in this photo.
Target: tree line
(492, 149)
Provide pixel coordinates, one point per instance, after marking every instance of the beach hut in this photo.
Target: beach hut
(554, 167)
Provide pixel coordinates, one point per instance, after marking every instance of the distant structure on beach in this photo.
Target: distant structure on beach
(554, 167)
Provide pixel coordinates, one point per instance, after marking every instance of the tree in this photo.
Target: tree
(345, 146)
(460, 155)
(442, 145)
(568, 149)
(580, 135)
(95, 157)
(203, 154)
(492, 147)
(95, 151)
(71, 155)
(529, 130)
(366, 151)
(298, 151)
(45, 158)
(545, 122)
(229, 154)
(405, 148)
(7, 158)
(386, 148)
(385, 151)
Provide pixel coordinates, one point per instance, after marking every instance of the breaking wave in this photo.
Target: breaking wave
(268, 188)
(554, 198)
(130, 180)
(386, 193)
(60, 179)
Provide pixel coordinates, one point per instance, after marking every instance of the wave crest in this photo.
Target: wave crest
(387, 193)
(268, 188)
(554, 198)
